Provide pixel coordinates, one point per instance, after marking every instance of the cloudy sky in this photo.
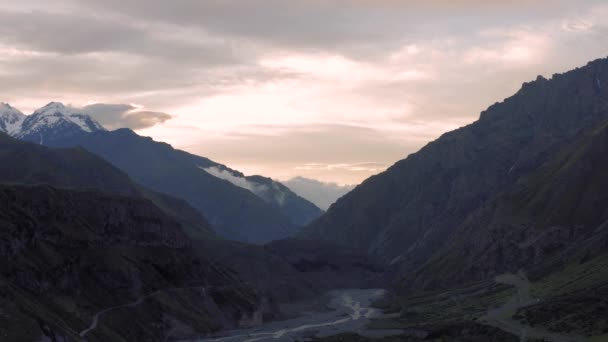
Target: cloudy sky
(335, 90)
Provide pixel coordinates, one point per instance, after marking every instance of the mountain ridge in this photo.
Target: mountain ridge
(273, 211)
(237, 212)
(406, 214)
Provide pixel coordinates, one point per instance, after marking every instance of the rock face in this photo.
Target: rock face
(411, 214)
(248, 209)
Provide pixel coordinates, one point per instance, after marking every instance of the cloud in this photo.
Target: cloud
(357, 167)
(323, 194)
(53, 32)
(113, 116)
(333, 82)
(237, 180)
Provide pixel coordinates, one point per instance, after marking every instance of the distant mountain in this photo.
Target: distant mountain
(250, 209)
(320, 193)
(242, 209)
(55, 119)
(433, 215)
(10, 119)
(78, 169)
(299, 210)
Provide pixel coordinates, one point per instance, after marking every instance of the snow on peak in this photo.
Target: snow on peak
(54, 108)
(7, 110)
(10, 119)
(54, 118)
(56, 113)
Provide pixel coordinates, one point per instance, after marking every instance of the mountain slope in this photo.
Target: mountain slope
(69, 254)
(251, 209)
(95, 222)
(556, 213)
(10, 119)
(299, 210)
(408, 213)
(28, 163)
(224, 196)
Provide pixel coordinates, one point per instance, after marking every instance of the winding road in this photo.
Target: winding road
(502, 317)
(97, 315)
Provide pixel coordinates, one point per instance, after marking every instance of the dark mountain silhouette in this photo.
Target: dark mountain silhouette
(431, 215)
(80, 237)
(70, 254)
(251, 209)
(236, 212)
(26, 163)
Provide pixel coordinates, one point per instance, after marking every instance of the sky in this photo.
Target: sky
(334, 90)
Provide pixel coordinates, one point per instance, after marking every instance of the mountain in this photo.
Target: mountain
(78, 169)
(69, 255)
(55, 119)
(552, 216)
(320, 193)
(10, 119)
(249, 209)
(79, 238)
(411, 214)
(299, 210)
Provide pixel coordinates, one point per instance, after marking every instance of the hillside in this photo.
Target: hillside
(410, 212)
(252, 209)
(79, 169)
(74, 253)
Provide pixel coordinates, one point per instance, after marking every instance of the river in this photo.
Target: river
(350, 311)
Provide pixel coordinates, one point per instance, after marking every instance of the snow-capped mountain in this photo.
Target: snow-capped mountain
(53, 120)
(10, 119)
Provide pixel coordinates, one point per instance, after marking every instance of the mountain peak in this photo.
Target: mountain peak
(10, 118)
(53, 120)
(53, 108)
(5, 107)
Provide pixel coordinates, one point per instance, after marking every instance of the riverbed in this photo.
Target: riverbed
(349, 311)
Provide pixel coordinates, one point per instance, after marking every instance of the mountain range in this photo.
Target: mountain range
(80, 237)
(250, 209)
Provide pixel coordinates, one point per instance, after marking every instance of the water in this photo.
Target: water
(351, 312)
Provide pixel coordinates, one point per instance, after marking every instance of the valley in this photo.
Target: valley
(345, 311)
(496, 231)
